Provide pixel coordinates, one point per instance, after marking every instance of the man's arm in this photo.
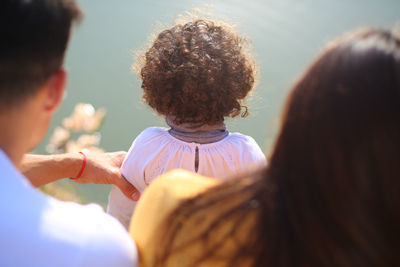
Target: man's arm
(100, 169)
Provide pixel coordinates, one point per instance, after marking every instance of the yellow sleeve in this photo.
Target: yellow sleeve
(157, 202)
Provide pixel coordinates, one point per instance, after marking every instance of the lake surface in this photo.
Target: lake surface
(286, 35)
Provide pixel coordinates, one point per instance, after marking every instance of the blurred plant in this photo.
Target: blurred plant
(84, 118)
(84, 121)
(79, 132)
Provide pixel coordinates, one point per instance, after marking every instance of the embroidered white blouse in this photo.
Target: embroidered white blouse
(155, 152)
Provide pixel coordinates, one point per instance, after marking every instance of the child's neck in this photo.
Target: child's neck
(201, 133)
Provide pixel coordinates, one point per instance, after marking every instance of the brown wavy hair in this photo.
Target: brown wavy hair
(200, 71)
(330, 195)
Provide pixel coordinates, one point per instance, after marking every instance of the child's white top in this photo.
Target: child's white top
(155, 152)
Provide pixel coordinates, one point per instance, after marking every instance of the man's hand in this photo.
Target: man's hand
(104, 168)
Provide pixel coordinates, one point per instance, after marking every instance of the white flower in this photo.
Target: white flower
(75, 147)
(58, 140)
(84, 118)
(86, 142)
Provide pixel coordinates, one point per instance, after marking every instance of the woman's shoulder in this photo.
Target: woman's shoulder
(158, 201)
(183, 183)
(168, 191)
(168, 194)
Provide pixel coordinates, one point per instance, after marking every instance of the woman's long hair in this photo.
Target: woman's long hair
(336, 163)
(331, 194)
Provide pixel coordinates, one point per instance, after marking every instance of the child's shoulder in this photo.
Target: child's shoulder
(150, 135)
(246, 145)
(239, 137)
(244, 142)
(152, 132)
(150, 139)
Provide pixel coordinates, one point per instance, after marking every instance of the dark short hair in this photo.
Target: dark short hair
(34, 36)
(198, 72)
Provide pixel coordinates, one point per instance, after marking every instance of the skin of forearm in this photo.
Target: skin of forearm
(43, 169)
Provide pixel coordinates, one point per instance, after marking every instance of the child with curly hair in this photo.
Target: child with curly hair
(195, 74)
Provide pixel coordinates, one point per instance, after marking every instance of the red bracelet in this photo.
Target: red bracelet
(83, 166)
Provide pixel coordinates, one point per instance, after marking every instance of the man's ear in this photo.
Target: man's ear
(55, 90)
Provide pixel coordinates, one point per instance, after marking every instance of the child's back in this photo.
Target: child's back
(194, 74)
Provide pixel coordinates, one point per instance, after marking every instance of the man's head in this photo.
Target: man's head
(34, 36)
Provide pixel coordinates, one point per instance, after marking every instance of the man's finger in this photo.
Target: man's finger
(128, 189)
(120, 156)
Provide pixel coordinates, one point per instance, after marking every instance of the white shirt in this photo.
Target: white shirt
(155, 152)
(38, 230)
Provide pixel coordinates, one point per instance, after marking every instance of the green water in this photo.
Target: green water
(286, 34)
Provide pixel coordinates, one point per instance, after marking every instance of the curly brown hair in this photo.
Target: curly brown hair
(198, 72)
